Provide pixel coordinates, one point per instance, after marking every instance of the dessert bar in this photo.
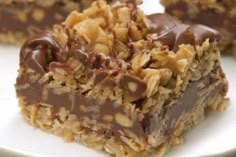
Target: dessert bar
(119, 81)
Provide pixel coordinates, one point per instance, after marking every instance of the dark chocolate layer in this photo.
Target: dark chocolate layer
(172, 32)
(209, 16)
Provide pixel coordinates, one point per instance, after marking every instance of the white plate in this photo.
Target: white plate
(214, 135)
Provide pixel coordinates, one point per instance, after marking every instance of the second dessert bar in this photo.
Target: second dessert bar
(218, 14)
(21, 19)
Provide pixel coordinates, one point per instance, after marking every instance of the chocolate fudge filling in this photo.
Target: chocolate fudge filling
(73, 100)
(207, 17)
(167, 119)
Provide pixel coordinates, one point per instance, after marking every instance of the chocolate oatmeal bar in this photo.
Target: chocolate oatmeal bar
(218, 14)
(119, 81)
(21, 19)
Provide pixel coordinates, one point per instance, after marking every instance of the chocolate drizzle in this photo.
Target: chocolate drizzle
(38, 52)
(132, 4)
(171, 32)
(80, 54)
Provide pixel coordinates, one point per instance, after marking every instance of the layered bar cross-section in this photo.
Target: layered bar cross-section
(119, 81)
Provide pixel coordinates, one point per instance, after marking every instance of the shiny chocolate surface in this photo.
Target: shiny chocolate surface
(172, 32)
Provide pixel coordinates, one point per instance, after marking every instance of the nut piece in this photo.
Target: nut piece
(123, 120)
(58, 16)
(44, 3)
(38, 14)
(83, 108)
(45, 93)
(132, 86)
(22, 16)
(108, 118)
